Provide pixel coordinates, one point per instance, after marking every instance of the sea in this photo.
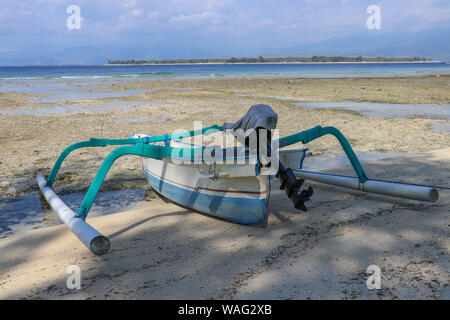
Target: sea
(201, 71)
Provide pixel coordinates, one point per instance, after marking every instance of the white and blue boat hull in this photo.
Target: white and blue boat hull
(231, 192)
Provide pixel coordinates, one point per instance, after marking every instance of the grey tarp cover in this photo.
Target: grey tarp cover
(258, 116)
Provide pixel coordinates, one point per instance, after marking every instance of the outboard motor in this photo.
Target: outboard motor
(262, 116)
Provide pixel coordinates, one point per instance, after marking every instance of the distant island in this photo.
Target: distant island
(260, 59)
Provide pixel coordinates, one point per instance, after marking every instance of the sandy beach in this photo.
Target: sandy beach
(167, 252)
(164, 251)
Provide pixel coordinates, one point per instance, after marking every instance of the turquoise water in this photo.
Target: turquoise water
(329, 70)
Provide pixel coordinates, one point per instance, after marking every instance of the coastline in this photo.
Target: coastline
(240, 63)
(196, 71)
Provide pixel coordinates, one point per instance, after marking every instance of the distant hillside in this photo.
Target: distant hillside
(432, 44)
(261, 59)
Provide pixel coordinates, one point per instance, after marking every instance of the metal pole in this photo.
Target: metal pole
(395, 189)
(91, 238)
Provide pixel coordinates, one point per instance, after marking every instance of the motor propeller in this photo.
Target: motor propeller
(292, 186)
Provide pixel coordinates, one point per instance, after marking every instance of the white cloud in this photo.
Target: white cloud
(137, 12)
(198, 18)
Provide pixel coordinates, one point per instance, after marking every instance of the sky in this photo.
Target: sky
(36, 32)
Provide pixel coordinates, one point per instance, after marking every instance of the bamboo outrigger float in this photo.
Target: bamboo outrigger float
(229, 189)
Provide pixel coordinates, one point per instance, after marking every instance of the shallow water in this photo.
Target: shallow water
(61, 108)
(202, 71)
(77, 95)
(21, 214)
(385, 110)
(141, 119)
(440, 127)
(186, 90)
(64, 90)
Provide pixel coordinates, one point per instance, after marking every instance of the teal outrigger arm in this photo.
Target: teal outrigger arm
(142, 147)
(317, 132)
(95, 142)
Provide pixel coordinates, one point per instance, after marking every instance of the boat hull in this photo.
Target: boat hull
(240, 199)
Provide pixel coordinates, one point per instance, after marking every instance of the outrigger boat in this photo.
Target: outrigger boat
(234, 188)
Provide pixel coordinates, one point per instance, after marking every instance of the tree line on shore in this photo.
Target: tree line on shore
(261, 59)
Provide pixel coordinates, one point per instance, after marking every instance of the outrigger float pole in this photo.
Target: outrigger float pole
(389, 188)
(94, 240)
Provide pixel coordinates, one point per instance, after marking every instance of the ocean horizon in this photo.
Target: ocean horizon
(217, 70)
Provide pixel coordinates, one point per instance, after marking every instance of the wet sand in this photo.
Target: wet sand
(167, 252)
